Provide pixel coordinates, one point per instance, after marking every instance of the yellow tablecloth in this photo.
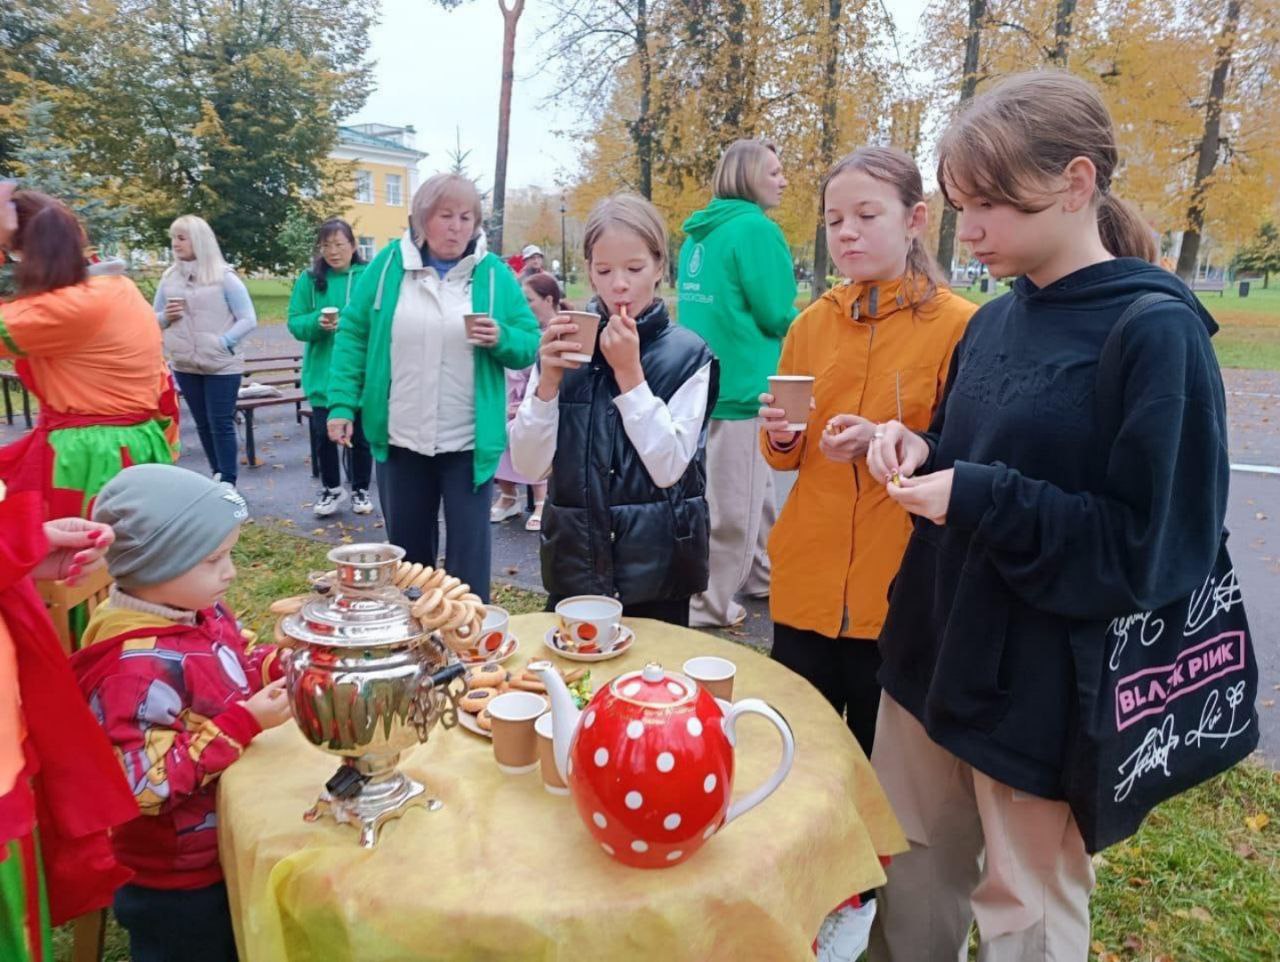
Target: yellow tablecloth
(507, 871)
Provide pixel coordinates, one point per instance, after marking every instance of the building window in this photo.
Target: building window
(395, 195)
(366, 248)
(364, 187)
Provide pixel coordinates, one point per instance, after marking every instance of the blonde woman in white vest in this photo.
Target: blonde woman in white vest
(206, 313)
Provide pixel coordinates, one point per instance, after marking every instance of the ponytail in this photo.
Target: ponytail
(1124, 233)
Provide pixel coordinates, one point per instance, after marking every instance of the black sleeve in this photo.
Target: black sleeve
(1151, 535)
(940, 415)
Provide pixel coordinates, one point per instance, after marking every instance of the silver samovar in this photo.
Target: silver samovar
(366, 682)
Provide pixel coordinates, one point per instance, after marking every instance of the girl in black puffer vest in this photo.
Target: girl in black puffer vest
(626, 434)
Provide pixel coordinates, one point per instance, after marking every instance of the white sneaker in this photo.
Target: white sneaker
(360, 503)
(330, 500)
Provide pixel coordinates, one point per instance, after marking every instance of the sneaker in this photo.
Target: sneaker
(330, 500)
(360, 502)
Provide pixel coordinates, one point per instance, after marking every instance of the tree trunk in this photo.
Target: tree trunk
(642, 129)
(737, 15)
(1062, 32)
(510, 17)
(1210, 143)
(821, 256)
(968, 86)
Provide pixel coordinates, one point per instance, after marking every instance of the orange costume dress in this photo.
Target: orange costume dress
(92, 355)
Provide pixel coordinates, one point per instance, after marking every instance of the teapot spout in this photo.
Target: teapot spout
(564, 714)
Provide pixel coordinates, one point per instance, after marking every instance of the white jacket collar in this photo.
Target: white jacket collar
(411, 255)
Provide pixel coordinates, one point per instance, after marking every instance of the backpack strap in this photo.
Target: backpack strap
(1110, 384)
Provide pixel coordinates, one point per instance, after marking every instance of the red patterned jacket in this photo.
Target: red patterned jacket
(167, 695)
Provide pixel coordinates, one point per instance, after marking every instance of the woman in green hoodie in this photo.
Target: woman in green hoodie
(737, 290)
(324, 289)
(429, 381)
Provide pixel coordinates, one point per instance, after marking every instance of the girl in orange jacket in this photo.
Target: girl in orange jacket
(879, 348)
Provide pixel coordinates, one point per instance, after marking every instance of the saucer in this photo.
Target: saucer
(468, 721)
(505, 651)
(628, 637)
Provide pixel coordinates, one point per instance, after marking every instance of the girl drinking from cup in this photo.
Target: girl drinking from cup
(877, 347)
(624, 435)
(1033, 517)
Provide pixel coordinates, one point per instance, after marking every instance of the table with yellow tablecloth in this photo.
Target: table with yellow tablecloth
(507, 871)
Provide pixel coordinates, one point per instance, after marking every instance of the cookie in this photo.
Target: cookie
(488, 675)
(476, 699)
(485, 720)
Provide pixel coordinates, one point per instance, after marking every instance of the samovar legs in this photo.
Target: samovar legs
(378, 802)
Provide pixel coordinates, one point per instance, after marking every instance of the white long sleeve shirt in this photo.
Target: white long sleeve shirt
(664, 435)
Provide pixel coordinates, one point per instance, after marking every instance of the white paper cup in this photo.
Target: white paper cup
(588, 327)
(714, 674)
(551, 779)
(515, 742)
(792, 393)
(469, 320)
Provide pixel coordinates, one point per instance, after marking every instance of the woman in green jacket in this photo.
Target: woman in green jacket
(432, 391)
(737, 290)
(324, 289)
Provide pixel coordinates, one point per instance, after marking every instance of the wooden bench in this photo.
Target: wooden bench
(247, 406)
(9, 379)
(1218, 284)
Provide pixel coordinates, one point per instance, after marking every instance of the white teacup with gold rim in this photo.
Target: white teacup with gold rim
(588, 624)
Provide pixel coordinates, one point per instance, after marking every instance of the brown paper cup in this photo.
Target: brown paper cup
(551, 779)
(792, 393)
(470, 321)
(714, 674)
(515, 743)
(588, 327)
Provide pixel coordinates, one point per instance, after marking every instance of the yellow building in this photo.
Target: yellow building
(386, 175)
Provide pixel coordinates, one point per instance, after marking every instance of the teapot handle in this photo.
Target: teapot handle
(754, 706)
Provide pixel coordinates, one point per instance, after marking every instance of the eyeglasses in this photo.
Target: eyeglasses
(337, 245)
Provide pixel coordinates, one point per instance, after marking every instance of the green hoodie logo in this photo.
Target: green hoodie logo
(695, 260)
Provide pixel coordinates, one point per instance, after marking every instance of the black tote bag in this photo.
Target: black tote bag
(1166, 698)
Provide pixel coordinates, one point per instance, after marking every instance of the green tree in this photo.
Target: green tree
(44, 163)
(1262, 254)
(230, 109)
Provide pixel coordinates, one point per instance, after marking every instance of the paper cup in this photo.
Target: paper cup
(714, 674)
(178, 302)
(330, 314)
(588, 327)
(515, 742)
(551, 779)
(469, 320)
(792, 393)
(589, 623)
(493, 632)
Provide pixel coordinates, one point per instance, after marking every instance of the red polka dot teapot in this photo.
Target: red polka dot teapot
(649, 762)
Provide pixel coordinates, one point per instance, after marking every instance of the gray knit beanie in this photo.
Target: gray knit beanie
(166, 520)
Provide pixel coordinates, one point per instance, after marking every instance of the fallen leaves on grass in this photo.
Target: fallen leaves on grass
(1256, 823)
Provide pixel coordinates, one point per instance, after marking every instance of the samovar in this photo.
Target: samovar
(367, 681)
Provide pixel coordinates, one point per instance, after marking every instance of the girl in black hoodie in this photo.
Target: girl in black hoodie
(1032, 516)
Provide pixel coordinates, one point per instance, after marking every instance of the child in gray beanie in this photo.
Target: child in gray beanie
(167, 674)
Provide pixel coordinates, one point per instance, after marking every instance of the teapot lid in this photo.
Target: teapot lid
(652, 687)
(354, 621)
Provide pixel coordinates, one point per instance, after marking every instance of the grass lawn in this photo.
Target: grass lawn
(1199, 882)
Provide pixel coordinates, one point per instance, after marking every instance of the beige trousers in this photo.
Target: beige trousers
(980, 851)
(739, 481)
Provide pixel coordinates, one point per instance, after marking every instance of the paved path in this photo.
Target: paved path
(282, 489)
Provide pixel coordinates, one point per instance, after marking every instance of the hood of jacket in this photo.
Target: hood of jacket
(720, 211)
(1111, 285)
(414, 258)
